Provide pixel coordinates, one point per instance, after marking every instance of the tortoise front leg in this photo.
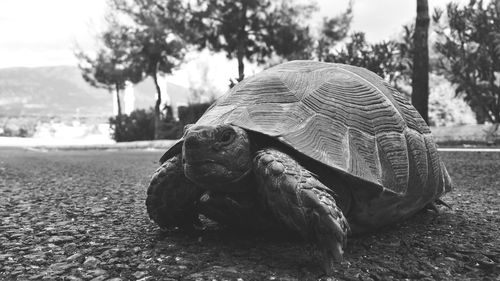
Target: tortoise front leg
(172, 197)
(302, 203)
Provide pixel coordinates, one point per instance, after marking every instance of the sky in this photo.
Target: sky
(45, 32)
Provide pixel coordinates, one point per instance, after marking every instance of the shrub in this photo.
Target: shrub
(445, 109)
(190, 114)
(172, 129)
(139, 125)
(18, 126)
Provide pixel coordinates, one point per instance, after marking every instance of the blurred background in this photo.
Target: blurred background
(105, 71)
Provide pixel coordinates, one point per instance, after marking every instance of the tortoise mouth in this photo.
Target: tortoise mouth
(207, 171)
(202, 162)
(212, 175)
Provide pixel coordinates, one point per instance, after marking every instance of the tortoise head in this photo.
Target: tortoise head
(216, 156)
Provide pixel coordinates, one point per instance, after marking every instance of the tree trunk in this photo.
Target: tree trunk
(118, 101)
(320, 49)
(420, 79)
(242, 38)
(241, 66)
(119, 125)
(157, 119)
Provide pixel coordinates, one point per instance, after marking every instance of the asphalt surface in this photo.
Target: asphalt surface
(80, 215)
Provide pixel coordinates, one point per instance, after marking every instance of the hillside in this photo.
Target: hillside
(61, 91)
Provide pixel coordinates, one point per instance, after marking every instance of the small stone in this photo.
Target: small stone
(424, 273)
(16, 272)
(72, 278)
(35, 256)
(62, 266)
(99, 278)
(91, 262)
(182, 261)
(196, 276)
(139, 274)
(60, 239)
(5, 256)
(37, 277)
(50, 276)
(74, 257)
(97, 272)
(173, 271)
(98, 210)
(142, 266)
(113, 260)
(111, 252)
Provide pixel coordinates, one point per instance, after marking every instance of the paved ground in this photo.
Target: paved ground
(81, 216)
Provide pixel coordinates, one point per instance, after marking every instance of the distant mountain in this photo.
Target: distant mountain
(61, 91)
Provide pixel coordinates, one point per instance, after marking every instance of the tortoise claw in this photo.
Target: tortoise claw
(433, 206)
(441, 202)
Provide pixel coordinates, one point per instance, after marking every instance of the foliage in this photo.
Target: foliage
(444, 108)
(139, 125)
(252, 29)
(391, 60)
(17, 126)
(469, 46)
(333, 30)
(155, 38)
(202, 89)
(190, 114)
(154, 34)
(111, 67)
(172, 129)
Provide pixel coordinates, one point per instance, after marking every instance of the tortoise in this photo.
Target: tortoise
(321, 149)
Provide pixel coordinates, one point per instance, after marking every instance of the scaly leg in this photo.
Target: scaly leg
(302, 203)
(172, 197)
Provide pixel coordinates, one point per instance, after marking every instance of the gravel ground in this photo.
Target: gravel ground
(81, 216)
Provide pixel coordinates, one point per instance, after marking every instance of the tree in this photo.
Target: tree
(445, 109)
(391, 60)
(420, 76)
(155, 39)
(252, 29)
(333, 30)
(469, 46)
(110, 68)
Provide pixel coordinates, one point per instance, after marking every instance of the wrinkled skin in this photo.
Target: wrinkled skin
(214, 158)
(233, 184)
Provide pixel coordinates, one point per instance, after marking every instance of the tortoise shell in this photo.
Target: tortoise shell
(343, 116)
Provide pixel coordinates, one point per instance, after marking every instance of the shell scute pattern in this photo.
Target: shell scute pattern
(393, 147)
(345, 117)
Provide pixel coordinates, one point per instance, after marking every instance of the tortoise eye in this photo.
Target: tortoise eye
(227, 136)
